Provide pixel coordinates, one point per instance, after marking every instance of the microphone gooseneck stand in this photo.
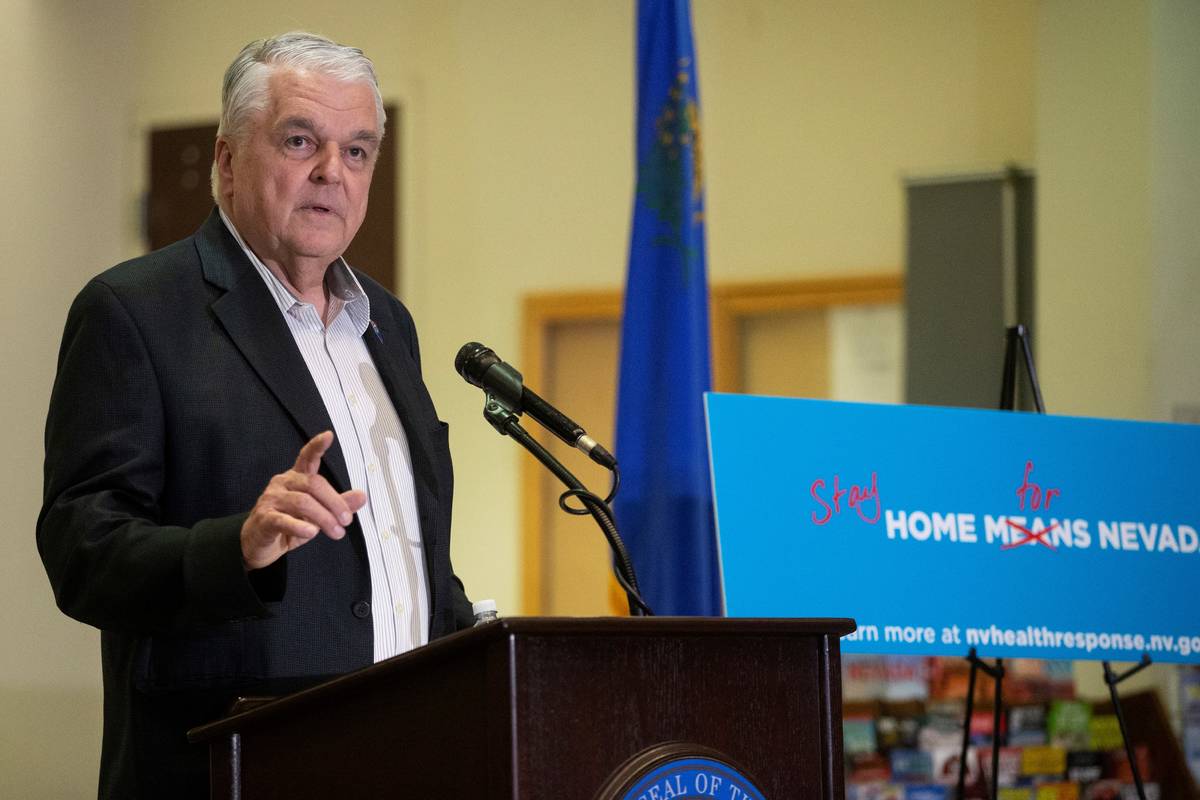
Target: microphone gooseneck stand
(505, 419)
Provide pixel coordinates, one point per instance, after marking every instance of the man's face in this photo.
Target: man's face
(295, 184)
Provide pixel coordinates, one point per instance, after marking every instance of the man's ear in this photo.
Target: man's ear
(223, 158)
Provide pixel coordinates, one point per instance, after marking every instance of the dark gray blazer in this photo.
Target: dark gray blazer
(179, 393)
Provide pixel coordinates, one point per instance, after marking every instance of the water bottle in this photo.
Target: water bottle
(484, 611)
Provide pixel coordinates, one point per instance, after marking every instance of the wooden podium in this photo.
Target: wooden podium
(551, 708)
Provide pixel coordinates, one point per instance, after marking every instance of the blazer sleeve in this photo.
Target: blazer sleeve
(111, 562)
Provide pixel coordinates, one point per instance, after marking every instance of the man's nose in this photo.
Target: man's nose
(328, 165)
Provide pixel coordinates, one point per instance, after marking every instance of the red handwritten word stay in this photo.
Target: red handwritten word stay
(859, 496)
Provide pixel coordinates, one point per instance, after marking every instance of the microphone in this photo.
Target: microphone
(480, 366)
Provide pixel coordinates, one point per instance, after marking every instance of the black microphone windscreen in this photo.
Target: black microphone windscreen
(473, 361)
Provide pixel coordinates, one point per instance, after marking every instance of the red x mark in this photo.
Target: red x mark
(1030, 536)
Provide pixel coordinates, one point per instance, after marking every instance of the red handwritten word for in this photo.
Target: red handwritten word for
(859, 496)
(1028, 490)
(1038, 498)
(1038, 536)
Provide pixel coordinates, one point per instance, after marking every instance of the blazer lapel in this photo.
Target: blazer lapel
(250, 316)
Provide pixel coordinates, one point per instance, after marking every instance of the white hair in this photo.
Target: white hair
(245, 92)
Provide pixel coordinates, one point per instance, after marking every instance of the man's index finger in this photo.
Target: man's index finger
(309, 459)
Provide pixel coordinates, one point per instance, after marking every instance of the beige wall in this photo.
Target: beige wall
(67, 195)
(1118, 161)
(517, 173)
(1093, 161)
(1174, 207)
(814, 111)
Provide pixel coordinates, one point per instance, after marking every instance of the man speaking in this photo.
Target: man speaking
(247, 488)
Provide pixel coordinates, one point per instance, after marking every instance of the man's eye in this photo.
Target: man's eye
(296, 142)
(356, 153)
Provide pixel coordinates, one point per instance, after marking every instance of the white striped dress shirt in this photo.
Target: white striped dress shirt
(373, 443)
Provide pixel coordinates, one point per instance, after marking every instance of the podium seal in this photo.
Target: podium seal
(679, 771)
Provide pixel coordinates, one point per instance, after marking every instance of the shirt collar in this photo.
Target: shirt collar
(340, 282)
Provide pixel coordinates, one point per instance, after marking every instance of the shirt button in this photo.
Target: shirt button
(361, 609)
(399, 608)
(353, 399)
(371, 468)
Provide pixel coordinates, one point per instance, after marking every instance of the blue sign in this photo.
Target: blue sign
(938, 529)
(693, 777)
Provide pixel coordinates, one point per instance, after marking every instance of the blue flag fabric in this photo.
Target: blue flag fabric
(664, 508)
